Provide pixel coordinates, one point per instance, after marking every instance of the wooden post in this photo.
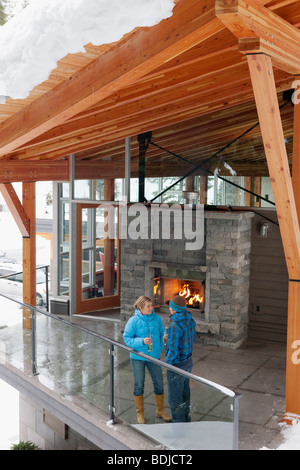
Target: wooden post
(296, 157)
(261, 72)
(263, 82)
(248, 182)
(29, 254)
(203, 189)
(256, 188)
(293, 334)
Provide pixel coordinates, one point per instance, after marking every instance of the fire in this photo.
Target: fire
(156, 289)
(196, 298)
(192, 298)
(185, 292)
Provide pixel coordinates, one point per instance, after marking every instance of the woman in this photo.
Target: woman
(144, 332)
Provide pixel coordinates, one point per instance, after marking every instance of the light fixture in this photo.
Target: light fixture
(264, 227)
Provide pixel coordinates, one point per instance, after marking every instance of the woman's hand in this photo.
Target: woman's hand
(165, 339)
(147, 341)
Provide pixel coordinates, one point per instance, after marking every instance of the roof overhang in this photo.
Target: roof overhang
(185, 79)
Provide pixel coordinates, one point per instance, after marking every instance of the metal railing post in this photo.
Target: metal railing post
(112, 384)
(47, 287)
(33, 341)
(235, 443)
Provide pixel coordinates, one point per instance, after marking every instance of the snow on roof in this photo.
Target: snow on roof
(44, 32)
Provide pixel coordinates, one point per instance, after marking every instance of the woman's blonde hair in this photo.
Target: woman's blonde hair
(141, 301)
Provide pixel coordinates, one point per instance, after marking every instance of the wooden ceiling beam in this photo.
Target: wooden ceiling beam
(164, 90)
(131, 120)
(192, 22)
(147, 120)
(12, 171)
(260, 30)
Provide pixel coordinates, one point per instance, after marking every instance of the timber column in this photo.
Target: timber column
(29, 253)
(286, 197)
(269, 40)
(293, 334)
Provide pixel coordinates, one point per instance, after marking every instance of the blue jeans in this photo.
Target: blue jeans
(179, 394)
(155, 372)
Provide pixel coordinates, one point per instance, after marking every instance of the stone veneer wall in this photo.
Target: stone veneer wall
(228, 246)
(226, 256)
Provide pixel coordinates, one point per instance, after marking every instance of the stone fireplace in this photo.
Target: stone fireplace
(219, 273)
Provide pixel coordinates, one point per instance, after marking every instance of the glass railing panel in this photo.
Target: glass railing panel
(73, 360)
(204, 419)
(15, 340)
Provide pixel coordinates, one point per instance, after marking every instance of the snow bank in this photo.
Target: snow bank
(291, 437)
(34, 40)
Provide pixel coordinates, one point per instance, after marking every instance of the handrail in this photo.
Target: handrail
(46, 267)
(21, 272)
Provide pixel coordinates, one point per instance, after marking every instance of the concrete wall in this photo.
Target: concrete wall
(47, 432)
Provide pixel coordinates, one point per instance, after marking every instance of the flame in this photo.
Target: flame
(156, 289)
(185, 292)
(195, 298)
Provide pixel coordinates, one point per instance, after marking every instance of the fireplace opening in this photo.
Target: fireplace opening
(164, 288)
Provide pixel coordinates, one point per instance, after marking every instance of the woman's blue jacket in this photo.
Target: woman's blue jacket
(141, 326)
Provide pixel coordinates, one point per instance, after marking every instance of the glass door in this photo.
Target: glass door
(97, 257)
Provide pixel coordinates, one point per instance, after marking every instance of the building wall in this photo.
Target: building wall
(46, 431)
(268, 304)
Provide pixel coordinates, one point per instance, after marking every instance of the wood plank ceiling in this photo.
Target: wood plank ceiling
(183, 79)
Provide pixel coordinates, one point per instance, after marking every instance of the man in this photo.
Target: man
(179, 348)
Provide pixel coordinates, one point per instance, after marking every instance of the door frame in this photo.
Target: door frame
(96, 303)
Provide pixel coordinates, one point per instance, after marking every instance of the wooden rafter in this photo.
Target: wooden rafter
(204, 83)
(260, 30)
(153, 112)
(191, 23)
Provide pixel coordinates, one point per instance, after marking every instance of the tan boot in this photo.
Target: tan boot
(139, 404)
(160, 408)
